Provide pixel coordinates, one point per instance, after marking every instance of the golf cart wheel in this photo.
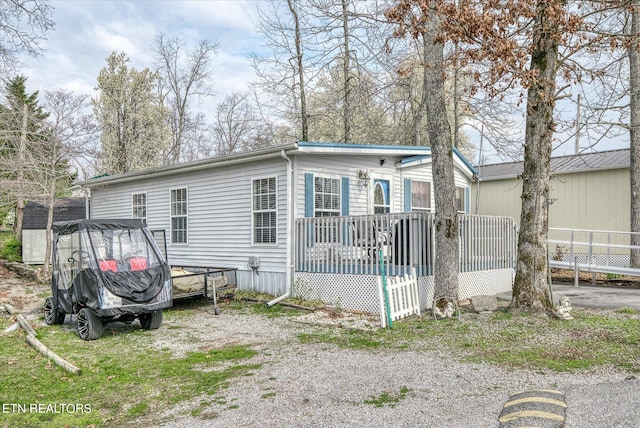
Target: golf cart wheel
(51, 316)
(151, 321)
(89, 325)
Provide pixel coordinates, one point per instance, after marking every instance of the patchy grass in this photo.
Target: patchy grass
(344, 338)
(591, 339)
(259, 306)
(629, 311)
(388, 399)
(123, 377)
(126, 379)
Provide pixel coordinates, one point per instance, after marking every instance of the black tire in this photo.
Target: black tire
(51, 316)
(151, 321)
(89, 325)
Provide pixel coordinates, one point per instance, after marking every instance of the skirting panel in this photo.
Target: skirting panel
(485, 282)
(350, 292)
(359, 292)
(274, 283)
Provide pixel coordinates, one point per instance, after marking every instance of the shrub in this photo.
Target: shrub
(11, 249)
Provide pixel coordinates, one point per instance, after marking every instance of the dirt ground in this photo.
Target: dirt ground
(26, 296)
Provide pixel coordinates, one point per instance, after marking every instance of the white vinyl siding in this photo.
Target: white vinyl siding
(179, 216)
(265, 210)
(220, 230)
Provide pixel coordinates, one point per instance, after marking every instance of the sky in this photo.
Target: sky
(87, 32)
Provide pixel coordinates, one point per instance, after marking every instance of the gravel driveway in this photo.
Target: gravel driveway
(322, 385)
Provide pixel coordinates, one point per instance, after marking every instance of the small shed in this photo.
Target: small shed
(34, 227)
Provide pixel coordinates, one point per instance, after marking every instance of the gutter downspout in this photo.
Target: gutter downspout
(87, 202)
(290, 233)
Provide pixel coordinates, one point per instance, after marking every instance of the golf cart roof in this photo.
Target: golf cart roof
(67, 227)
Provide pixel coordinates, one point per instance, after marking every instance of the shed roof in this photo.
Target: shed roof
(612, 159)
(65, 209)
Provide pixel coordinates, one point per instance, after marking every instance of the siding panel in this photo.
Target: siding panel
(219, 214)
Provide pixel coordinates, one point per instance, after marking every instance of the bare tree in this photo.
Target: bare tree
(183, 76)
(238, 127)
(634, 128)
(425, 22)
(284, 75)
(23, 24)
(299, 70)
(68, 128)
(233, 124)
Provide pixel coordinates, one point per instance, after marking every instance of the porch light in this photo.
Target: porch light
(363, 174)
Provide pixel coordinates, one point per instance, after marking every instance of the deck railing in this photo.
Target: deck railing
(596, 251)
(399, 242)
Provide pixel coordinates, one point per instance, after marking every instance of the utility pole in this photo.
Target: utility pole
(577, 147)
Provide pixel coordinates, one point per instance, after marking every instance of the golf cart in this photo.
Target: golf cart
(105, 271)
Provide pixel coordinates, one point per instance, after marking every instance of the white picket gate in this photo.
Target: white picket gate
(403, 296)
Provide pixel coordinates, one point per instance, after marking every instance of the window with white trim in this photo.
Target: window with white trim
(179, 216)
(381, 200)
(264, 211)
(139, 205)
(327, 197)
(420, 195)
(461, 199)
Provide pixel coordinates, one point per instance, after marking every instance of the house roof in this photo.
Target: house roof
(301, 147)
(65, 209)
(613, 159)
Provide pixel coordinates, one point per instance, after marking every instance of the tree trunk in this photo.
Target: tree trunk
(22, 160)
(346, 66)
(530, 290)
(634, 131)
(51, 198)
(303, 98)
(446, 215)
(419, 109)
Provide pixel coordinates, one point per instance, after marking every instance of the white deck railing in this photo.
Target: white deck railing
(360, 244)
(592, 251)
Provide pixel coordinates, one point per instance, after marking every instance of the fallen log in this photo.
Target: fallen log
(291, 305)
(10, 309)
(31, 339)
(53, 356)
(25, 325)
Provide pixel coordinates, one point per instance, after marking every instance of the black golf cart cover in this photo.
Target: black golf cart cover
(104, 264)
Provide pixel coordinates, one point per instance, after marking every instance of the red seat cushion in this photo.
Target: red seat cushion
(137, 263)
(106, 265)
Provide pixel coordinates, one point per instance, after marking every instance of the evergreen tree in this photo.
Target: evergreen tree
(134, 134)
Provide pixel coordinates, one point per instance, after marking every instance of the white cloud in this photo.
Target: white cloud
(88, 31)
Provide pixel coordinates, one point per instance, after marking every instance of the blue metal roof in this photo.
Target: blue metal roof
(361, 146)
